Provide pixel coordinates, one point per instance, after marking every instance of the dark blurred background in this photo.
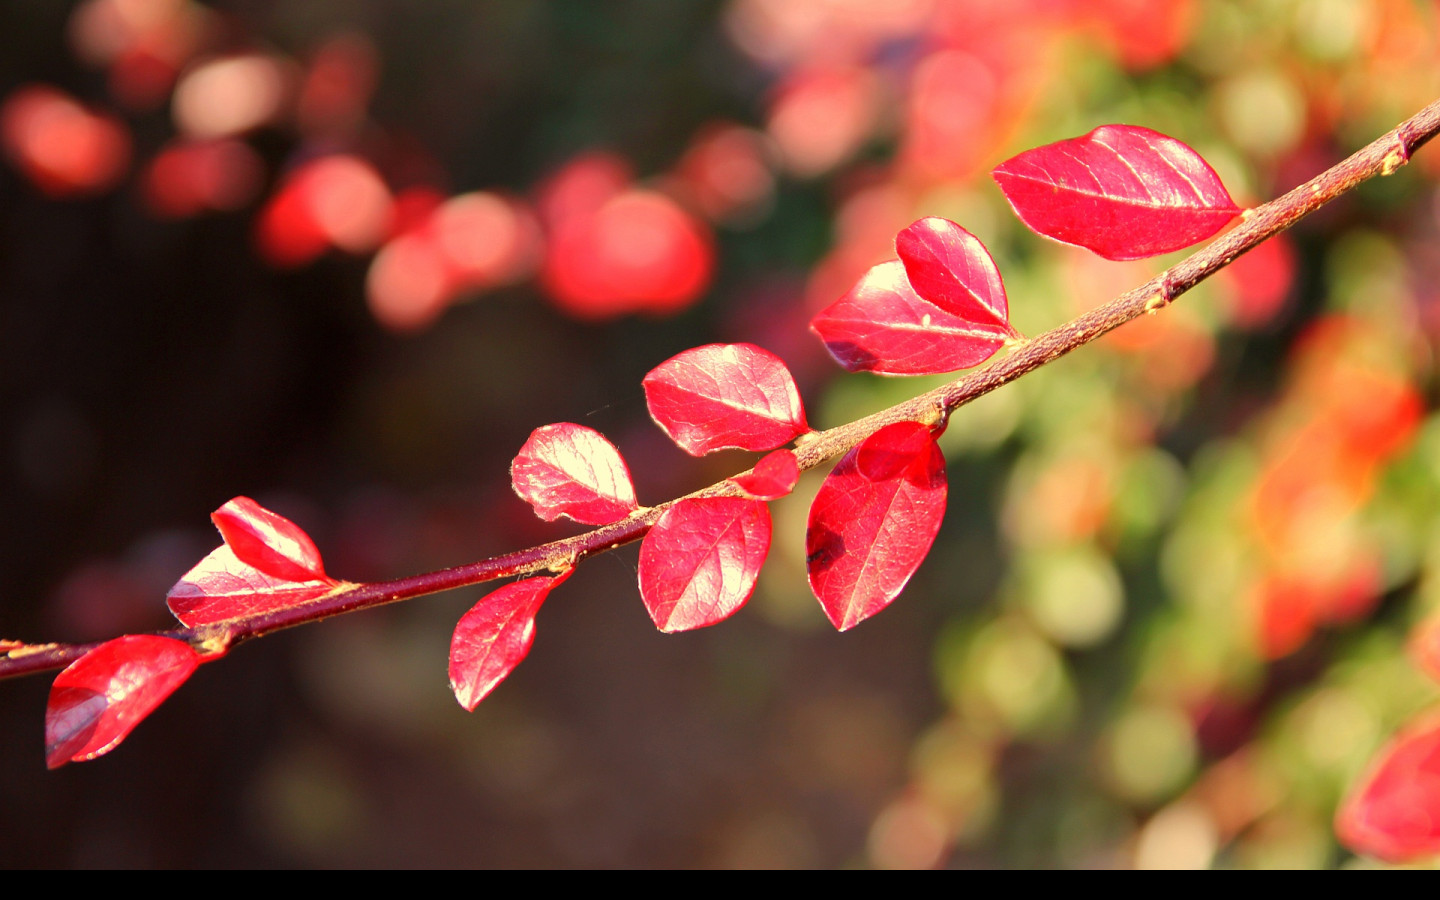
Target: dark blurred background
(344, 256)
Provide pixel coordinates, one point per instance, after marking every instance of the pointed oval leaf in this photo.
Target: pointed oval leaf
(949, 267)
(1394, 811)
(570, 470)
(495, 635)
(97, 701)
(698, 564)
(1121, 191)
(725, 396)
(221, 588)
(773, 477)
(883, 325)
(268, 541)
(874, 520)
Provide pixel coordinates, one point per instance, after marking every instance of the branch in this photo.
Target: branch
(1382, 157)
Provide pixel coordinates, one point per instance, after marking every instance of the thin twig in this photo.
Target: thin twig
(1382, 157)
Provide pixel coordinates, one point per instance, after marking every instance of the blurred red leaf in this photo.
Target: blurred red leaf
(267, 563)
(487, 239)
(1393, 812)
(883, 325)
(143, 46)
(581, 186)
(874, 520)
(820, 116)
(232, 94)
(495, 635)
(570, 470)
(100, 698)
(699, 562)
(725, 395)
(268, 541)
(1285, 616)
(287, 233)
(726, 171)
(337, 86)
(1424, 646)
(1260, 282)
(350, 202)
(949, 267)
(638, 252)
(1142, 34)
(410, 282)
(63, 148)
(1121, 191)
(190, 177)
(414, 208)
(331, 201)
(773, 477)
(967, 99)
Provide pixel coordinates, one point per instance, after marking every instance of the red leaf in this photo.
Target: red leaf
(773, 477)
(97, 701)
(725, 395)
(949, 267)
(1394, 811)
(570, 470)
(874, 520)
(491, 639)
(221, 587)
(698, 564)
(883, 325)
(269, 542)
(1123, 192)
(266, 563)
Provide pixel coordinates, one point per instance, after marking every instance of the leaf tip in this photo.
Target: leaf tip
(495, 635)
(467, 698)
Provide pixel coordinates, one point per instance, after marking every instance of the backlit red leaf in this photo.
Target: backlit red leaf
(97, 701)
(266, 563)
(1122, 191)
(773, 477)
(221, 587)
(698, 564)
(1394, 811)
(570, 470)
(269, 542)
(883, 325)
(495, 635)
(874, 520)
(725, 395)
(949, 267)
